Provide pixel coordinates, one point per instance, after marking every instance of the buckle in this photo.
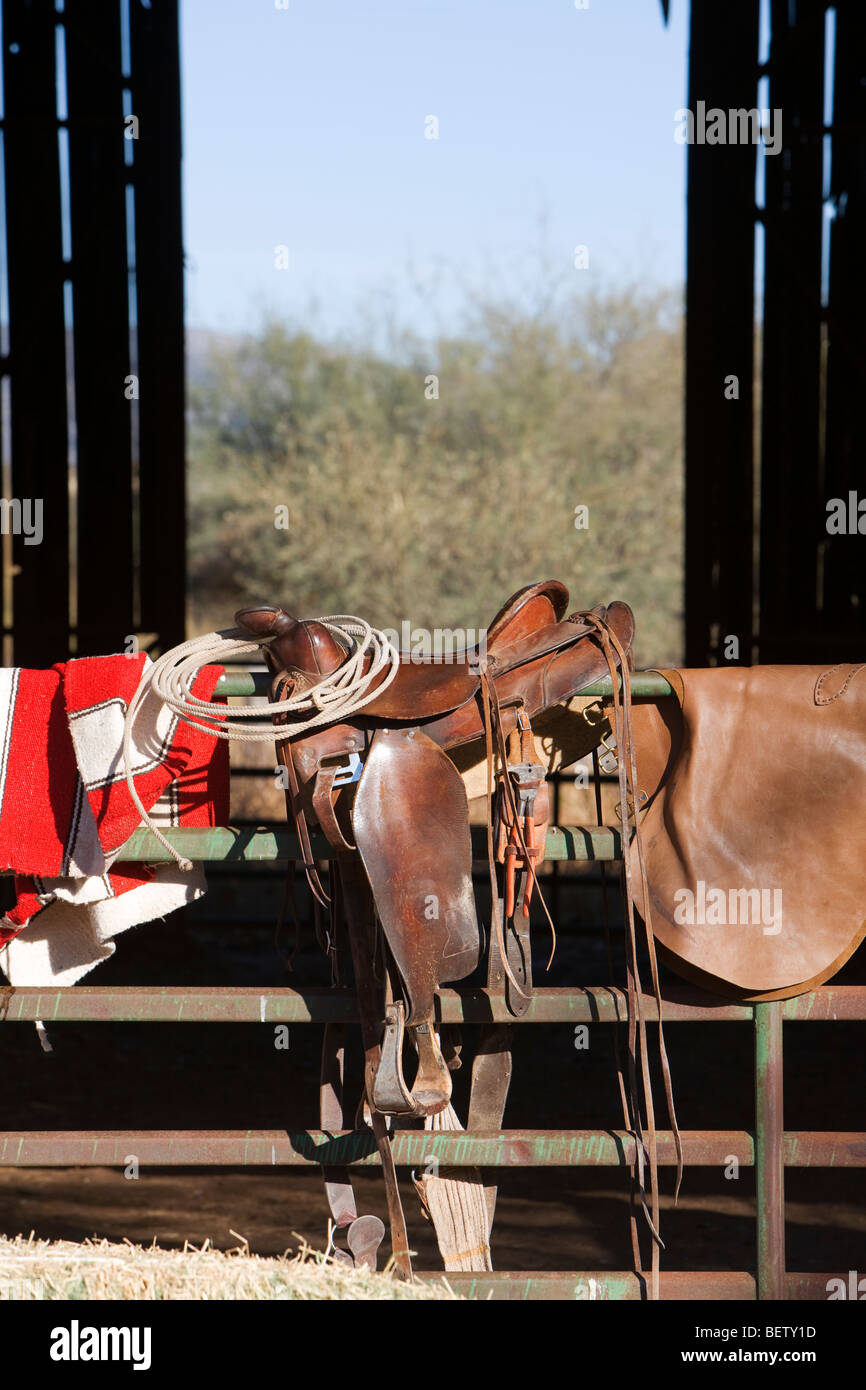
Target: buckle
(596, 707)
(609, 762)
(350, 773)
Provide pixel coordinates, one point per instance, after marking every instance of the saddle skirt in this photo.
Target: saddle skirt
(752, 833)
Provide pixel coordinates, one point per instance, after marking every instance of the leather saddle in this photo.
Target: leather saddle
(755, 804)
(385, 793)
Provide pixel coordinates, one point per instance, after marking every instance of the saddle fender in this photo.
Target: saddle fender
(411, 826)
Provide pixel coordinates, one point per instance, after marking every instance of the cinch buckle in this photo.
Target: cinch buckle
(350, 773)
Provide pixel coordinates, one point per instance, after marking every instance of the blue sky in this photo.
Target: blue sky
(304, 127)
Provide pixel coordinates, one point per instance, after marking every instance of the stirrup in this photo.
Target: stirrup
(431, 1090)
(364, 1235)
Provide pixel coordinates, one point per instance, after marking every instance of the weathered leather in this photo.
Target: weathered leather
(756, 779)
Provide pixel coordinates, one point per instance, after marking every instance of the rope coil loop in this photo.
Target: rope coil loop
(336, 696)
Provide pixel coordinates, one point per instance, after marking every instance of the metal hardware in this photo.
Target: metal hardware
(351, 772)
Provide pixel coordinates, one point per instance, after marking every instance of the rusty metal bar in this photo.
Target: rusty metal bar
(770, 1145)
(598, 1285)
(611, 1285)
(496, 1148)
(596, 1004)
(237, 680)
(509, 1148)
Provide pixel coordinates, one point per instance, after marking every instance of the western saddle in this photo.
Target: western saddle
(382, 788)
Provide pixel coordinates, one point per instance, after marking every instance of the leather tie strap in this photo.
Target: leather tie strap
(636, 1023)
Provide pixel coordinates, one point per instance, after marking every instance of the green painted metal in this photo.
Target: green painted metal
(509, 1148)
(246, 845)
(228, 1004)
(596, 1285)
(579, 843)
(239, 681)
(162, 1004)
(770, 1150)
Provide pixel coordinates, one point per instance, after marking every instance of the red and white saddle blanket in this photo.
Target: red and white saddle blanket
(66, 811)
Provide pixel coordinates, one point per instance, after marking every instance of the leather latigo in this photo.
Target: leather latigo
(756, 779)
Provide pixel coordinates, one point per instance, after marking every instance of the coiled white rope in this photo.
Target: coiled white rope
(336, 696)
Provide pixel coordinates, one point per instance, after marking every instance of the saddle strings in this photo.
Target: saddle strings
(336, 696)
(637, 1023)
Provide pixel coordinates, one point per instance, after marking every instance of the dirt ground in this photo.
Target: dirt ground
(215, 1076)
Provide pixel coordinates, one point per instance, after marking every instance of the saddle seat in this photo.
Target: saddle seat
(529, 626)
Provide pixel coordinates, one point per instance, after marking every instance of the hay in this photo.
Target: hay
(99, 1269)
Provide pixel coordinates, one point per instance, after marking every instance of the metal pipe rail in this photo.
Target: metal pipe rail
(238, 680)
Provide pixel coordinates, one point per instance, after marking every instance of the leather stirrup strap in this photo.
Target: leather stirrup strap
(359, 912)
(323, 805)
(338, 1186)
(628, 777)
(514, 814)
(636, 1021)
(647, 916)
(617, 1053)
(487, 701)
(296, 810)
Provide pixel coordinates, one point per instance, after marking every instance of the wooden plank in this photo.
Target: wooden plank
(159, 278)
(791, 505)
(720, 341)
(769, 1149)
(843, 594)
(101, 324)
(38, 403)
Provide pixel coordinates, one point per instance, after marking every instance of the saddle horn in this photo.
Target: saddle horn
(297, 645)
